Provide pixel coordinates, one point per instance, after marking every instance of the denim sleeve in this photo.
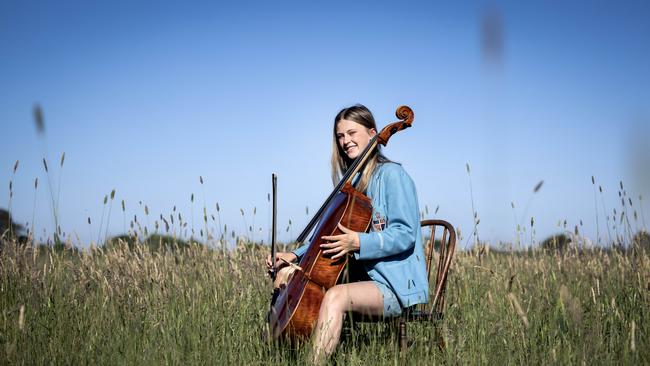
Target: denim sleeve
(402, 216)
(301, 250)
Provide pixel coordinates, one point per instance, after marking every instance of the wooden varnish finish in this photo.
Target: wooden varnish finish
(305, 291)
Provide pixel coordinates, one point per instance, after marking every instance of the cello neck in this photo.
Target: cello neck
(405, 114)
(354, 168)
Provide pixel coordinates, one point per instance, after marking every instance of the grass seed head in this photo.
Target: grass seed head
(571, 304)
(518, 309)
(21, 317)
(632, 336)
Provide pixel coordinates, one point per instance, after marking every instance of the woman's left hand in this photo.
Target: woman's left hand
(341, 244)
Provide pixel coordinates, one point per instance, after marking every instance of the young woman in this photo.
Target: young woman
(390, 254)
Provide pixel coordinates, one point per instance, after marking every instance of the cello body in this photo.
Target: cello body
(295, 311)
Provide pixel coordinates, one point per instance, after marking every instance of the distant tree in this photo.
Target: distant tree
(113, 242)
(6, 222)
(158, 242)
(154, 242)
(251, 246)
(9, 230)
(641, 241)
(558, 242)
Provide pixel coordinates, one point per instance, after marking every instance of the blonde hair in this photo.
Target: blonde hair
(340, 161)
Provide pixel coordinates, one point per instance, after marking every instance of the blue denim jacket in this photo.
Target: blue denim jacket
(392, 251)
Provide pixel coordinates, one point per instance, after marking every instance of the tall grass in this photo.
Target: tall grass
(119, 305)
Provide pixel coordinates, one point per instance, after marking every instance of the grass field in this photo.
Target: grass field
(201, 306)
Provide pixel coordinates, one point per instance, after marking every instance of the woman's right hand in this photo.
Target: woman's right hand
(280, 259)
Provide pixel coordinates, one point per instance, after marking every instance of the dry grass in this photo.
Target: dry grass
(198, 305)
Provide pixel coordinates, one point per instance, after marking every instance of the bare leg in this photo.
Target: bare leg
(361, 297)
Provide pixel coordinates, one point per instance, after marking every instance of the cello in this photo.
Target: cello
(294, 308)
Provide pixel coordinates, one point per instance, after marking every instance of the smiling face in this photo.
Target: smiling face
(353, 137)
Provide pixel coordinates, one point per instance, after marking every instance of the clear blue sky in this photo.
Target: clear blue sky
(145, 98)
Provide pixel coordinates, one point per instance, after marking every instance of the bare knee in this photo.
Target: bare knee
(335, 300)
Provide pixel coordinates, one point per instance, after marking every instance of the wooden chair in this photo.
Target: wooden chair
(432, 311)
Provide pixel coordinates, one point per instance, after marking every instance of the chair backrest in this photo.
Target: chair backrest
(446, 247)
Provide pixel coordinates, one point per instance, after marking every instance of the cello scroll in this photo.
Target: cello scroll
(405, 114)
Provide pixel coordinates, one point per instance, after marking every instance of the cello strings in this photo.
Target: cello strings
(351, 169)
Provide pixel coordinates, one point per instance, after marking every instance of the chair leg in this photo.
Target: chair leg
(346, 332)
(348, 327)
(402, 336)
(440, 340)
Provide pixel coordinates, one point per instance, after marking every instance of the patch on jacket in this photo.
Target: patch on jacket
(378, 222)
